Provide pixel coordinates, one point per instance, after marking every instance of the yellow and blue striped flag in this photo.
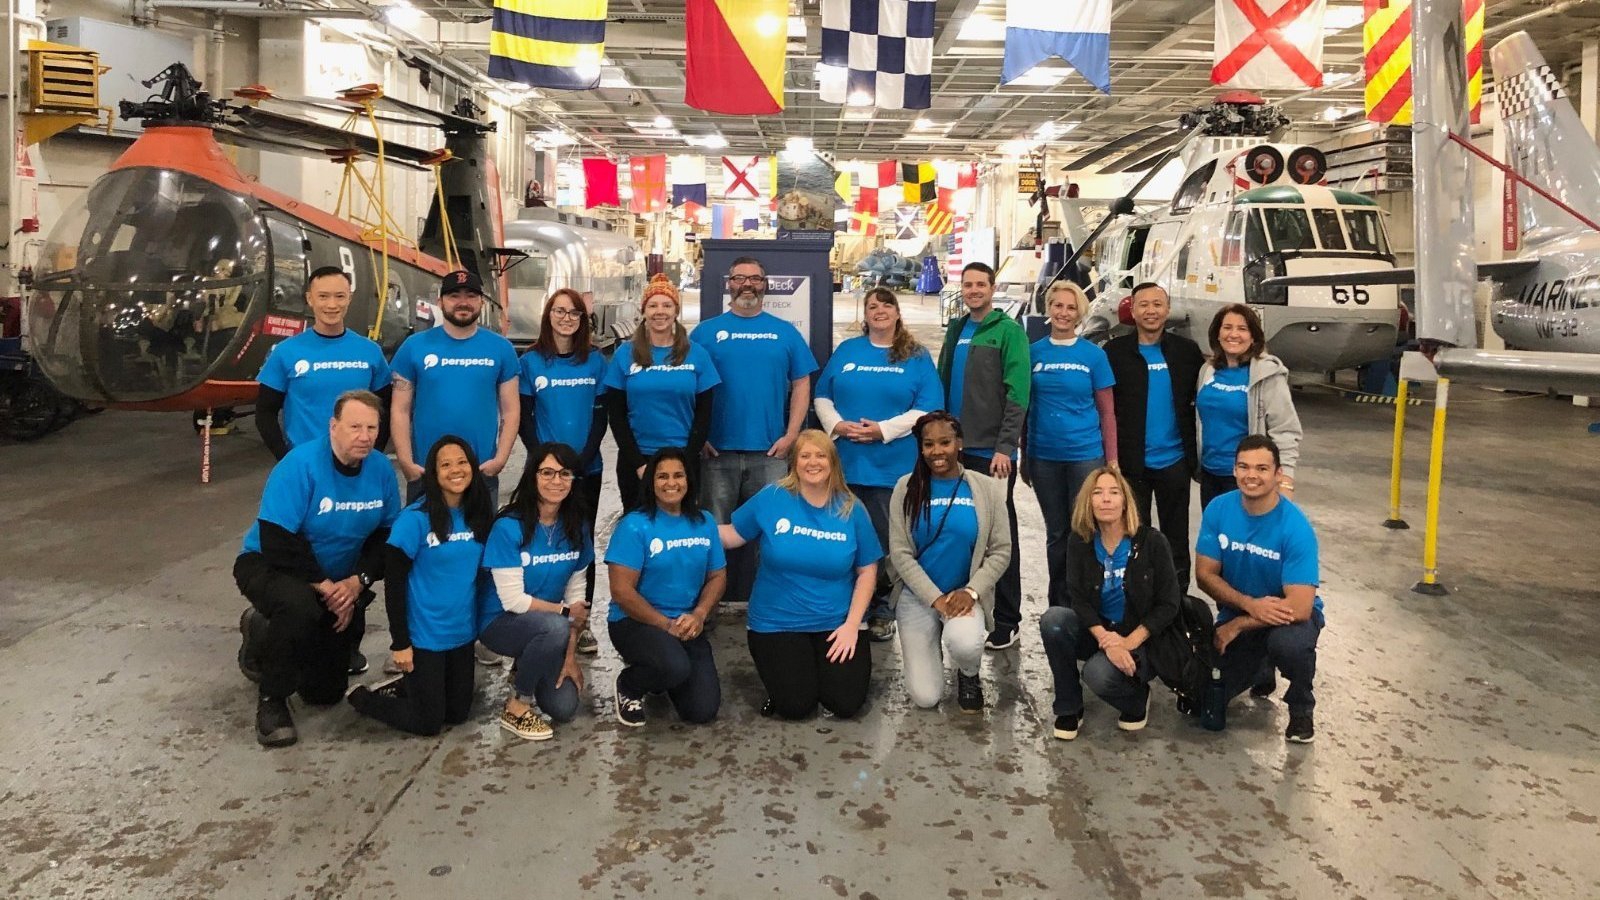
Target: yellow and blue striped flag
(548, 43)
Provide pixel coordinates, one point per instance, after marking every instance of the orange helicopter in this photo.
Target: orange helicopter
(167, 284)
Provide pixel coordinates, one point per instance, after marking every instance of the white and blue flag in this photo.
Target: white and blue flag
(1078, 31)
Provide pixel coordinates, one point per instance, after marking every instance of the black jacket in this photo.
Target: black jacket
(1150, 584)
(1133, 385)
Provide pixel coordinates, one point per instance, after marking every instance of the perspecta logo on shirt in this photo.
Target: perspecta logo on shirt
(303, 366)
(784, 526)
(892, 370)
(635, 368)
(541, 382)
(327, 505)
(658, 546)
(746, 336)
(434, 359)
(1064, 367)
(433, 539)
(545, 559)
(1251, 549)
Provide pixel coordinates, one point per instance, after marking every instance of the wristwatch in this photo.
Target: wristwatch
(566, 612)
(366, 580)
(974, 592)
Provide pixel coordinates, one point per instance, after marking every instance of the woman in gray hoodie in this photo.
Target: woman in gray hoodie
(1243, 390)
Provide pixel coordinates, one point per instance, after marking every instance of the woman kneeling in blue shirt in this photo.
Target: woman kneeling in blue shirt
(667, 572)
(539, 553)
(819, 565)
(430, 590)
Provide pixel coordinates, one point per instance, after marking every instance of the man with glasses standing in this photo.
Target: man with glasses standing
(759, 408)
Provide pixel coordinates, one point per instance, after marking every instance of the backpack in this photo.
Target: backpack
(1183, 653)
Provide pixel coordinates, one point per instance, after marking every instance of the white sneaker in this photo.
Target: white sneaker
(486, 657)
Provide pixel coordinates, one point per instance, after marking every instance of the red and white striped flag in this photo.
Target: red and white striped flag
(954, 262)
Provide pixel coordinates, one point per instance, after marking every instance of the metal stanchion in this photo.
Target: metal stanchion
(1430, 536)
(1394, 520)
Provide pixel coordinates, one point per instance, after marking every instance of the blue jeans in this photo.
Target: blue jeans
(1066, 641)
(658, 663)
(538, 643)
(1291, 649)
(1056, 485)
(727, 480)
(1008, 590)
(876, 501)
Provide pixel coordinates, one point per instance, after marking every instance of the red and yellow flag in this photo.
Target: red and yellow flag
(648, 175)
(1386, 37)
(735, 55)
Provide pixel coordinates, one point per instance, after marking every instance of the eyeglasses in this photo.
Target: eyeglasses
(557, 312)
(747, 279)
(556, 474)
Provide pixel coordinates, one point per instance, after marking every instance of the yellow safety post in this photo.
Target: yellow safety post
(1394, 521)
(1430, 536)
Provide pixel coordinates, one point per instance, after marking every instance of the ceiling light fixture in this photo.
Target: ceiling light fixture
(663, 122)
(402, 14)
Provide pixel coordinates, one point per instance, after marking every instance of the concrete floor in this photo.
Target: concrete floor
(1457, 740)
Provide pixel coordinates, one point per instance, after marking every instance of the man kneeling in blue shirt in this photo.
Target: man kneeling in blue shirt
(1257, 557)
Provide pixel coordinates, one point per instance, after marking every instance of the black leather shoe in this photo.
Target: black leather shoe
(274, 725)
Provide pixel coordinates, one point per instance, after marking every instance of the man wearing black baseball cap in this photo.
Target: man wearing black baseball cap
(455, 378)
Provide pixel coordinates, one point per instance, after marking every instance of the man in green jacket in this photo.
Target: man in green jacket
(984, 365)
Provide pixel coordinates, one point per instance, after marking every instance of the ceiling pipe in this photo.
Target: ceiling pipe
(255, 10)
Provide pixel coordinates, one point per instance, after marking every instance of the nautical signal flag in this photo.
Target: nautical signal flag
(1266, 45)
(1078, 31)
(917, 182)
(600, 182)
(649, 180)
(844, 184)
(739, 177)
(1386, 37)
(735, 54)
(877, 53)
(864, 221)
(548, 43)
(688, 181)
(905, 222)
(939, 221)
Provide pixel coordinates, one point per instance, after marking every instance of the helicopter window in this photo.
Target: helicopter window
(1366, 231)
(288, 266)
(1233, 239)
(1193, 188)
(1328, 228)
(1255, 238)
(1135, 244)
(1183, 260)
(1289, 228)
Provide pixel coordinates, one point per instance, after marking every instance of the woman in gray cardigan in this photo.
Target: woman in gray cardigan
(1243, 390)
(949, 542)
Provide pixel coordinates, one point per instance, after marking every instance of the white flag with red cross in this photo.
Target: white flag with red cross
(1265, 45)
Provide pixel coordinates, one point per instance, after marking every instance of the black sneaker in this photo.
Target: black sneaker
(1301, 730)
(274, 725)
(768, 710)
(1135, 721)
(969, 693)
(391, 687)
(1001, 638)
(630, 709)
(1066, 727)
(252, 628)
(358, 661)
(1265, 687)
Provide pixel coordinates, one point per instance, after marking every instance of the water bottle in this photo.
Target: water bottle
(1214, 706)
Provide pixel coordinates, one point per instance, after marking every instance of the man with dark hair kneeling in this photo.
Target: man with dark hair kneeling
(309, 562)
(1257, 557)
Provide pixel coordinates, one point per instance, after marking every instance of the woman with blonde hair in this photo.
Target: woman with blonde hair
(1071, 426)
(658, 390)
(819, 565)
(871, 392)
(1118, 590)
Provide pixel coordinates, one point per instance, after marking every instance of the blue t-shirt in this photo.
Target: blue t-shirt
(767, 353)
(564, 394)
(947, 558)
(958, 367)
(1063, 422)
(672, 555)
(1113, 600)
(442, 592)
(311, 370)
(547, 562)
(864, 384)
(1163, 444)
(1259, 554)
(809, 558)
(661, 398)
(1223, 404)
(457, 387)
(306, 495)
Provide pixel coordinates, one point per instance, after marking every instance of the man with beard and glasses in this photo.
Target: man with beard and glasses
(759, 408)
(456, 378)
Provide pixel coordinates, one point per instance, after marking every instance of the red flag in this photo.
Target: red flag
(735, 55)
(600, 182)
(649, 179)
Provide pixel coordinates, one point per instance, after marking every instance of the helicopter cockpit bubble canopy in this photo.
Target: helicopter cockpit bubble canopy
(143, 286)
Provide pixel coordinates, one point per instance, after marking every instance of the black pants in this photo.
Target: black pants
(1170, 487)
(1008, 592)
(301, 653)
(1214, 486)
(435, 693)
(628, 486)
(588, 487)
(876, 500)
(794, 668)
(658, 663)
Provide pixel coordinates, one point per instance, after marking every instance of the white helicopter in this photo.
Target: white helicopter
(1548, 299)
(1246, 211)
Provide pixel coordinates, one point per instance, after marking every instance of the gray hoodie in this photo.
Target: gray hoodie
(1271, 407)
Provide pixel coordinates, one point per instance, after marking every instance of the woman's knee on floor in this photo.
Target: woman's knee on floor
(1059, 624)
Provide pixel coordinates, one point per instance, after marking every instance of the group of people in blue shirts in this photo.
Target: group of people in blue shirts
(897, 516)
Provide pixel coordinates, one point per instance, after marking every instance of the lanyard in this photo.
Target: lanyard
(940, 529)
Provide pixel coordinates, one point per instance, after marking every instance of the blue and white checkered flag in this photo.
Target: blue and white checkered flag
(877, 53)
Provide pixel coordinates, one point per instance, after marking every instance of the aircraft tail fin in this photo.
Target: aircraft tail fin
(1546, 141)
